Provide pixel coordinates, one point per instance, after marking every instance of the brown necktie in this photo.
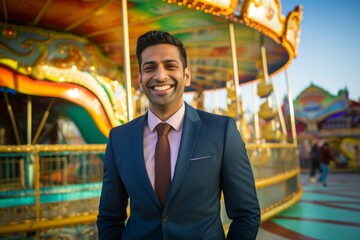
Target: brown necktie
(162, 162)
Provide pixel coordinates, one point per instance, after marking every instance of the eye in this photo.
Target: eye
(171, 66)
(148, 68)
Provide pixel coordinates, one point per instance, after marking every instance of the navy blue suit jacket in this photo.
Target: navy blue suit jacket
(212, 158)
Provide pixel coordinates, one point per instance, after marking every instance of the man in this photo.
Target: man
(325, 159)
(208, 157)
(315, 160)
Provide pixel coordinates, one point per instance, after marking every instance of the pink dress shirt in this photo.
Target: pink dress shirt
(150, 139)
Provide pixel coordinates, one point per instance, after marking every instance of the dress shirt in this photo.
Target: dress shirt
(150, 139)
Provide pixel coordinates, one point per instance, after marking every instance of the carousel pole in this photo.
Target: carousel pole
(216, 100)
(200, 97)
(264, 61)
(266, 77)
(12, 118)
(291, 109)
(278, 106)
(29, 120)
(256, 115)
(127, 71)
(43, 121)
(265, 71)
(235, 70)
(30, 160)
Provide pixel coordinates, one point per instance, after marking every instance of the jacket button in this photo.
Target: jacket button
(165, 219)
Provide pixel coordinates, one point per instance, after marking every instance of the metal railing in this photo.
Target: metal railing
(52, 186)
(45, 186)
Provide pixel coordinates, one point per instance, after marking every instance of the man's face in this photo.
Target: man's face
(162, 77)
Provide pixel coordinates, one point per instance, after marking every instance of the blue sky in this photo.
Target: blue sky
(328, 53)
(329, 50)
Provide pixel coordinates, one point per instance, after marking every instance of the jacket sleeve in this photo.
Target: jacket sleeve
(238, 184)
(113, 200)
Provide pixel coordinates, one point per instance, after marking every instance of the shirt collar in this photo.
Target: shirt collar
(175, 121)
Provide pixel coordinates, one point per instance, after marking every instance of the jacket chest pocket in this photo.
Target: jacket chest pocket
(202, 160)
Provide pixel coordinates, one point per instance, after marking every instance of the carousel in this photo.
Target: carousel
(68, 74)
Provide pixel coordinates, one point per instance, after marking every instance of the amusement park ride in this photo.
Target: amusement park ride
(68, 74)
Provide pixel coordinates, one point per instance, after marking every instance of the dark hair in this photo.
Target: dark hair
(158, 37)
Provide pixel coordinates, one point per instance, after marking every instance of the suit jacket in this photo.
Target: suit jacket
(212, 158)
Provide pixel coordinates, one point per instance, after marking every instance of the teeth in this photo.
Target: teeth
(162, 87)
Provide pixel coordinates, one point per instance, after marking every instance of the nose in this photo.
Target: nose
(160, 74)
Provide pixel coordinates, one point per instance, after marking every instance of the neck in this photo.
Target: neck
(164, 112)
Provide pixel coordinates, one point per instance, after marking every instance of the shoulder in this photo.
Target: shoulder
(206, 116)
(214, 122)
(129, 126)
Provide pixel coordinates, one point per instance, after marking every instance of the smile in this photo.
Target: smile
(161, 87)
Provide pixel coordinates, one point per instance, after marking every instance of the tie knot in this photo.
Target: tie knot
(162, 129)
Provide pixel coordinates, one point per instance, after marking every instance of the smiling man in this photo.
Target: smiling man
(163, 78)
(205, 156)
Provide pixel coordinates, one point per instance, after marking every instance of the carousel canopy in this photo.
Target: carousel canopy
(83, 51)
(203, 26)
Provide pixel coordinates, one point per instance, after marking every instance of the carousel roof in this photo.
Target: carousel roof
(74, 49)
(203, 26)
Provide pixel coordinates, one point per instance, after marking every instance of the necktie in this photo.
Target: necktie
(162, 162)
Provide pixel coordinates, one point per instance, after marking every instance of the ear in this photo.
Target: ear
(187, 76)
(140, 81)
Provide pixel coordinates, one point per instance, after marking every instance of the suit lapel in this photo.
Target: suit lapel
(190, 132)
(137, 149)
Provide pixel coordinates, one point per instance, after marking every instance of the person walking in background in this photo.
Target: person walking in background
(304, 154)
(325, 159)
(315, 160)
(207, 157)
